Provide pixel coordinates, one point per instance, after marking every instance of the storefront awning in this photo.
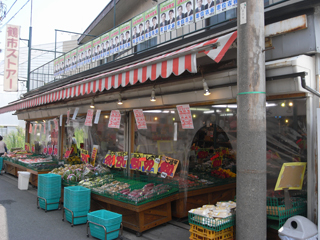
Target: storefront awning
(163, 66)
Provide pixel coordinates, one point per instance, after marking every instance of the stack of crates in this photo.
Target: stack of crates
(277, 213)
(205, 228)
(1, 164)
(76, 204)
(110, 220)
(49, 191)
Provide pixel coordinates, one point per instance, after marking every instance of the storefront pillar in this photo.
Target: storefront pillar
(251, 122)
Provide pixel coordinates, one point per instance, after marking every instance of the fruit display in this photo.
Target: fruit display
(96, 182)
(112, 188)
(74, 159)
(223, 173)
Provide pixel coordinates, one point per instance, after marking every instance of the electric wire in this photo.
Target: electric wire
(10, 8)
(14, 15)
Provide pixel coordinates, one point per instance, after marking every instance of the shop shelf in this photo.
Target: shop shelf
(77, 198)
(211, 223)
(110, 220)
(210, 234)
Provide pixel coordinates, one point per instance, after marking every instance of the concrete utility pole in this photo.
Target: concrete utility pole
(251, 140)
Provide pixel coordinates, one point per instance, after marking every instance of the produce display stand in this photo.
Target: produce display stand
(138, 218)
(197, 198)
(13, 168)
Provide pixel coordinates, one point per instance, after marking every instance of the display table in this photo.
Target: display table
(199, 197)
(138, 218)
(13, 168)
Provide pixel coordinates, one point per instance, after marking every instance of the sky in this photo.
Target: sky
(48, 15)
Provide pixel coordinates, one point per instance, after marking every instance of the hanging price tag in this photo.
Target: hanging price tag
(135, 164)
(157, 160)
(109, 160)
(164, 174)
(168, 165)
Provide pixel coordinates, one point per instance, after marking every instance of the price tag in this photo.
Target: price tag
(168, 165)
(157, 160)
(61, 162)
(164, 174)
(126, 158)
(45, 150)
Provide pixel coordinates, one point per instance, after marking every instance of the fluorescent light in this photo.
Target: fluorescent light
(200, 109)
(271, 104)
(173, 112)
(165, 111)
(153, 111)
(207, 112)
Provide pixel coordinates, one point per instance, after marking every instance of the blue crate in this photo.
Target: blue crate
(1, 164)
(77, 198)
(76, 221)
(42, 204)
(49, 186)
(110, 220)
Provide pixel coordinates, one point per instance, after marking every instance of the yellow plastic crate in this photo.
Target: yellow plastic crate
(200, 233)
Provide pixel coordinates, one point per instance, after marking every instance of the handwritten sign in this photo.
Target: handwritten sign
(121, 160)
(33, 148)
(45, 150)
(140, 119)
(115, 118)
(44, 128)
(135, 164)
(68, 152)
(55, 150)
(94, 154)
(89, 118)
(30, 128)
(35, 129)
(84, 155)
(110, 158)
(27, 147)
(151, 164)
(50, 150)
(168, 165)
(185, 116)
(56, 126)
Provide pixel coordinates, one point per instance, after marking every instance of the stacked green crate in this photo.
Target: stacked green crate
(49, 191)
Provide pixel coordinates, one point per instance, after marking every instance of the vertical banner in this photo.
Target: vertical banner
(68, 117)
(184, 10)
(11, 59)
(105, 45)
(97, 117)
(185, 116)
(96, 49)
(138, 29)
(73, 59)
(114, 35)
(151, 23)
(88, 49)
(125, 36)
(76, 110)
(44, 128)
(89, 118)
(55, 150)
(81, 55)
(115, 119)
(61, 117)
(167, 16)
(30, 128)
(140, 119)
(67, 65)
(56, 126)
(94, 154)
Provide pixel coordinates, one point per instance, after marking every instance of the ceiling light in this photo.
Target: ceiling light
(205, 88)
(207, 112)
(106, 116)
(92, 103)
(155, 118)
(283, 104)
(153, 96)
(120, 100)
(152, 111)
(290, 104)
(287, 120)
(194, 116)
(228, 109)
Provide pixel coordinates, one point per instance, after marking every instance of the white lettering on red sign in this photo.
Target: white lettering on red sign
(140, 119)
(89, 118)
(115, 118)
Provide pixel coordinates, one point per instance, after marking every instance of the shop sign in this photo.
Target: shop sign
(30, 128)
(11, 60)
(94, 154)
(84, 156)
(168, 166)
(185, 116)
(27, 147)
(110, 158)
(68, 152)
(121, 160)
(89, 118)
(135, 163)
(76, 110)
(56, 126)
(140, 120)
(115, 118)
(45, 150)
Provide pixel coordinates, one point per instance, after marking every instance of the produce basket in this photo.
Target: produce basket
(76, 217)
(197, 232)
(77, 198)
(211, 223)
(104, 224)
(49, 191)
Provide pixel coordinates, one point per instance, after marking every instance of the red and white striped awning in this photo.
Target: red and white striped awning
(163, 66)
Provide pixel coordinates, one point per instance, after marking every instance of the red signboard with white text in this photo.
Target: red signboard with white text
(140, 120)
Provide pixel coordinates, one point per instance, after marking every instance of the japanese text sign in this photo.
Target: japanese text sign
(109, 160)
(140, 120)
(168, 166)
(121, 160)
(84, 155)
(185, 116)
(115, 118)
(11, 59)
(56, 126)
(89, 118)
(94, 154)
(135, 163)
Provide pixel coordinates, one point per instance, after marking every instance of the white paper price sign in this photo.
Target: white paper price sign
(115, 119)
(140, 120)
(157, 160)
(164, 174)
(185, 116)
(126, 158)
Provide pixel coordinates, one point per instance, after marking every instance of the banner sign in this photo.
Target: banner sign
(105, 45)
(115, 119)
(96, 50)
(35, 129)
(140, 120)
(67, 63)
(68, 117)
(184, 10)
(89, 118)
(81, 56)
(125, 36)
(33, 148)
(73, 59)
(11, 59)
(114, 35)
(138, 29)
(97, 117)
(151, 23)
(168, 166)
(44, 127)
(50, 150)
(94, 154)
(58, 65)
(225, 5)
(167, 16)
(55, 150)
(185, 116)
(121, 160)
(88, 49)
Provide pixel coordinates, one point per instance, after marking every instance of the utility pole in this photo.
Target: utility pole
(29, 51)
(251, 125)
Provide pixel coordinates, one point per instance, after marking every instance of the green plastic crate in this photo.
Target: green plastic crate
(77, 219)
(211, 223)
(1, 164)
(50, 206)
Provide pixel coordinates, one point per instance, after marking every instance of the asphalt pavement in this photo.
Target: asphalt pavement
(21, 220)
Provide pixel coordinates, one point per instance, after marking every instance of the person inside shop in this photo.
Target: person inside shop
(3, 147)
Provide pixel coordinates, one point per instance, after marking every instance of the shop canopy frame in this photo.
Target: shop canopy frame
(176, 62)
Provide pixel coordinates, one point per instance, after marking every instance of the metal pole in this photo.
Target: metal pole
(29, 51)
(251, 140)
(114, 13)
(55, 43)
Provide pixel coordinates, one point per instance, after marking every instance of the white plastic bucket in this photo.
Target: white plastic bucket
(23, 180)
